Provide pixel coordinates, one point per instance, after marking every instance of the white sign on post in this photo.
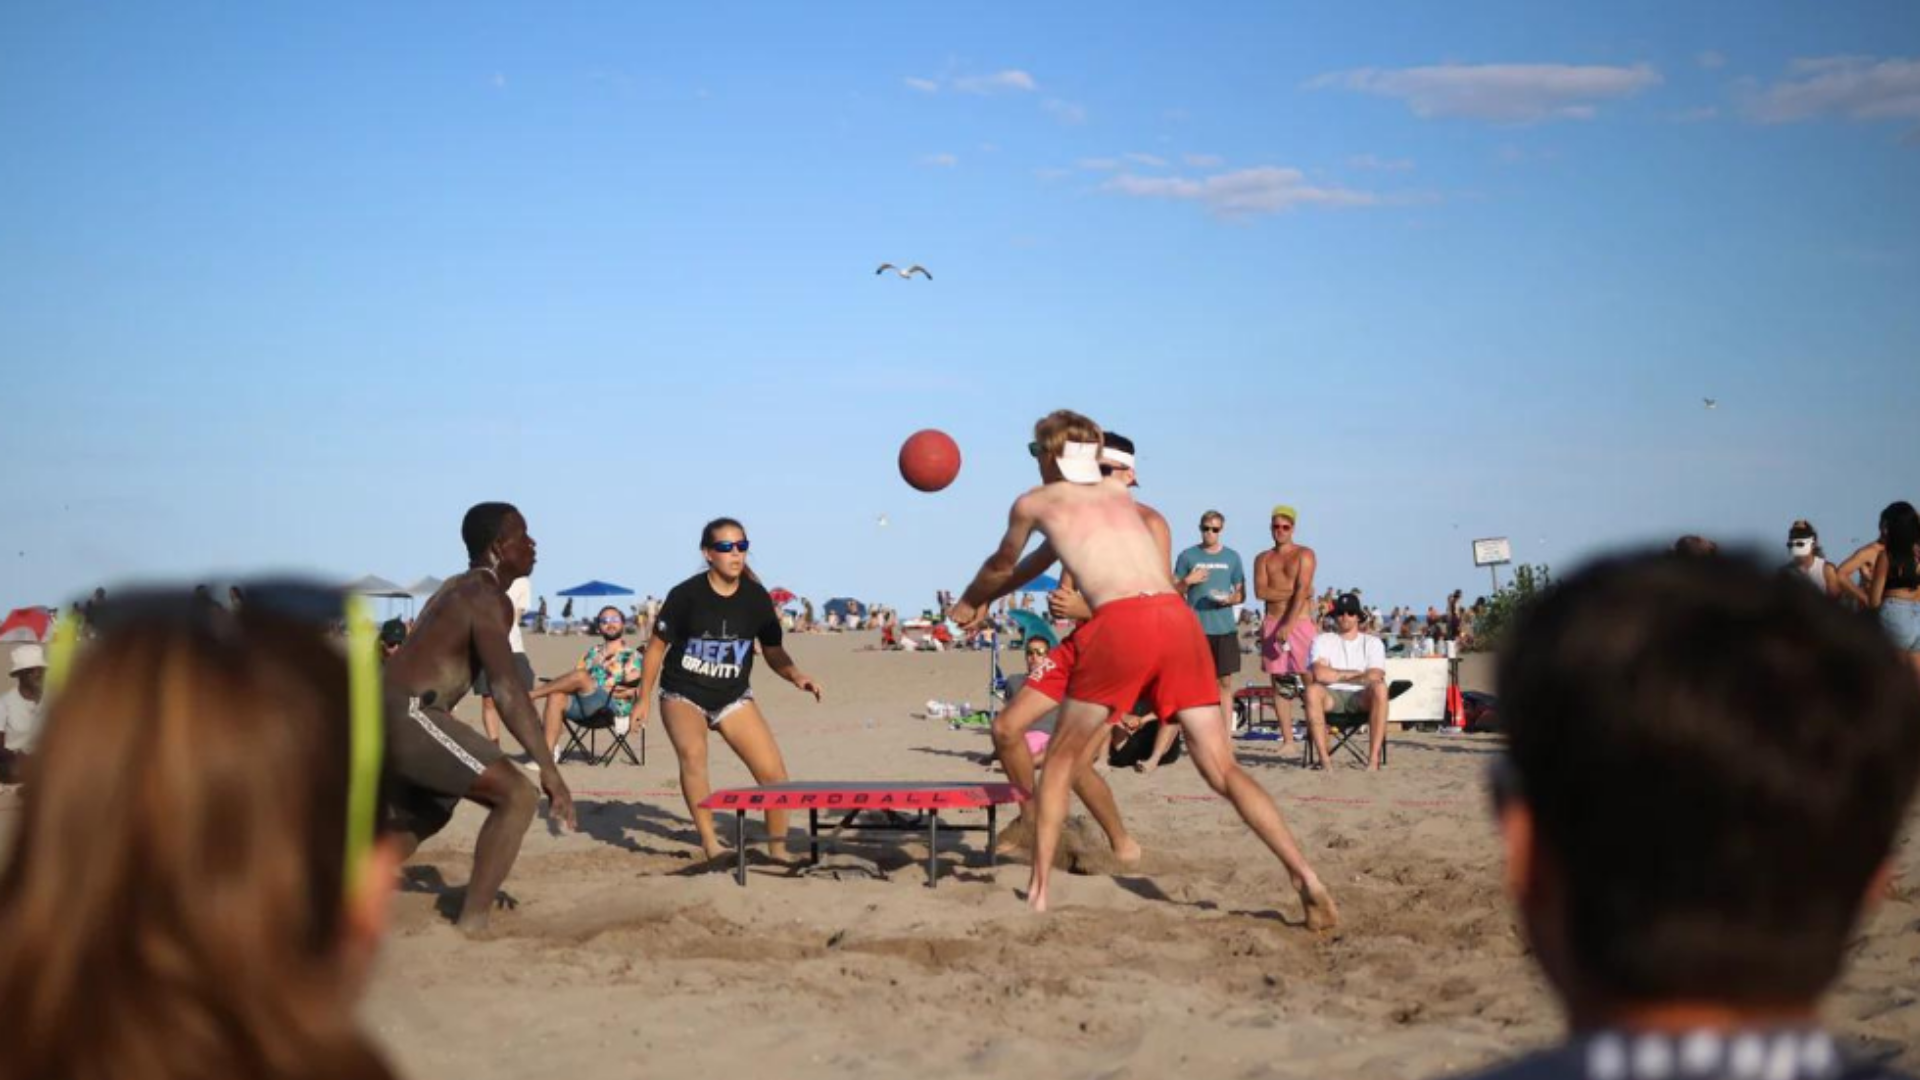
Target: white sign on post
(1495, 551)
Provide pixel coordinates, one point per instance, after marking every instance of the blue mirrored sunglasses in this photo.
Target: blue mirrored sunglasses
(726, 546)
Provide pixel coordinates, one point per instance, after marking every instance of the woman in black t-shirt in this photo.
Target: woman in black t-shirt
(701, 658)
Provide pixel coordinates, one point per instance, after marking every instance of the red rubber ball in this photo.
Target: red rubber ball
(929, 460)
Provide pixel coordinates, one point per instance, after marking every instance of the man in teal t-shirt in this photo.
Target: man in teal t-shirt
(1213, 580)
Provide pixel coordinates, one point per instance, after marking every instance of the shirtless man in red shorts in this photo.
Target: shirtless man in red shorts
(1283, 580)
(1142, 642)
(1046, 684)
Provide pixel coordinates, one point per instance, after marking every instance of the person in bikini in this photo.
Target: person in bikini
(434, 760)
(1143, 642)
(700, 658)
(1046, 684)
(1283, 580)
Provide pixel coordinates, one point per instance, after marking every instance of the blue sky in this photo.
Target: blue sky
(292, 287)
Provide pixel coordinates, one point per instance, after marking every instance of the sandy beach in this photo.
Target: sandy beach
(625, 956)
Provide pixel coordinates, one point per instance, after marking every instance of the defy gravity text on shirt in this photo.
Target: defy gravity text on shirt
(710, 659)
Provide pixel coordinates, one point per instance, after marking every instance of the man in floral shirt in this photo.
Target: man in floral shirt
(607, 677)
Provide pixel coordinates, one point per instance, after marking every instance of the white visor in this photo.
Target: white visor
(1080, 462)
(1119, 459)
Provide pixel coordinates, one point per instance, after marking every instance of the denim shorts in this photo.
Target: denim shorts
(1902, 620)
(581, 706)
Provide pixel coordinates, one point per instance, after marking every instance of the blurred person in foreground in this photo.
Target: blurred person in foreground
(188, 894)
(1707, 770)
(1695, 547)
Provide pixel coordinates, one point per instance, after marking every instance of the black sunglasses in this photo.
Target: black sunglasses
(1209, 528)
(1033, 448)
(726, 546)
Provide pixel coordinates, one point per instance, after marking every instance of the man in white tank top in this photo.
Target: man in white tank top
(1803, 544)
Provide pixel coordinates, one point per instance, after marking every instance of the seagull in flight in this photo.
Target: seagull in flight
(1710, 403)
(907, 273)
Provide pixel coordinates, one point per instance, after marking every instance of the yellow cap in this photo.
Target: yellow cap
(1285, 511)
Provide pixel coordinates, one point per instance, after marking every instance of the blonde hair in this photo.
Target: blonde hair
(1060, 427)
(173, 906)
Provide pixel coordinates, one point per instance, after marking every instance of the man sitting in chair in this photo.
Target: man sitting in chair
(1349, 676)
(608, 676)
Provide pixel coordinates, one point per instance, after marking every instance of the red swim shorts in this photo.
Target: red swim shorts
(1049, 676)
(1144, 649)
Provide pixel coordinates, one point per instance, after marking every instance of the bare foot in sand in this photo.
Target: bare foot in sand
(1128, 854)
(1321, 912)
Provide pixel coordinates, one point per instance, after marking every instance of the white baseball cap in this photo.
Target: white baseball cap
(26, 658)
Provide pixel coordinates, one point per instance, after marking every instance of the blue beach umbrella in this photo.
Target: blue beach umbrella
(597, 588)
(1043, 583)
(1034, 626)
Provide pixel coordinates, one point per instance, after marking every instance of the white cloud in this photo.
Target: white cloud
(1099, 164)
(1203, 161)
(1711, 60)
(925, 86)
(995, 83)
(1375, 163)
(1696, 116)
(940, 161)
(1148, 160)
(1853, 87)
(1065, 111)
(1051, 173)
(1265, 189)
(1505, 93)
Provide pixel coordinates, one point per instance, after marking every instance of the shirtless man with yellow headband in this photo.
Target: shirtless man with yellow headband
(1283, 580)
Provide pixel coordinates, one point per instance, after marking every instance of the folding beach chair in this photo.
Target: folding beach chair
(584, 735)
(1342, 727)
